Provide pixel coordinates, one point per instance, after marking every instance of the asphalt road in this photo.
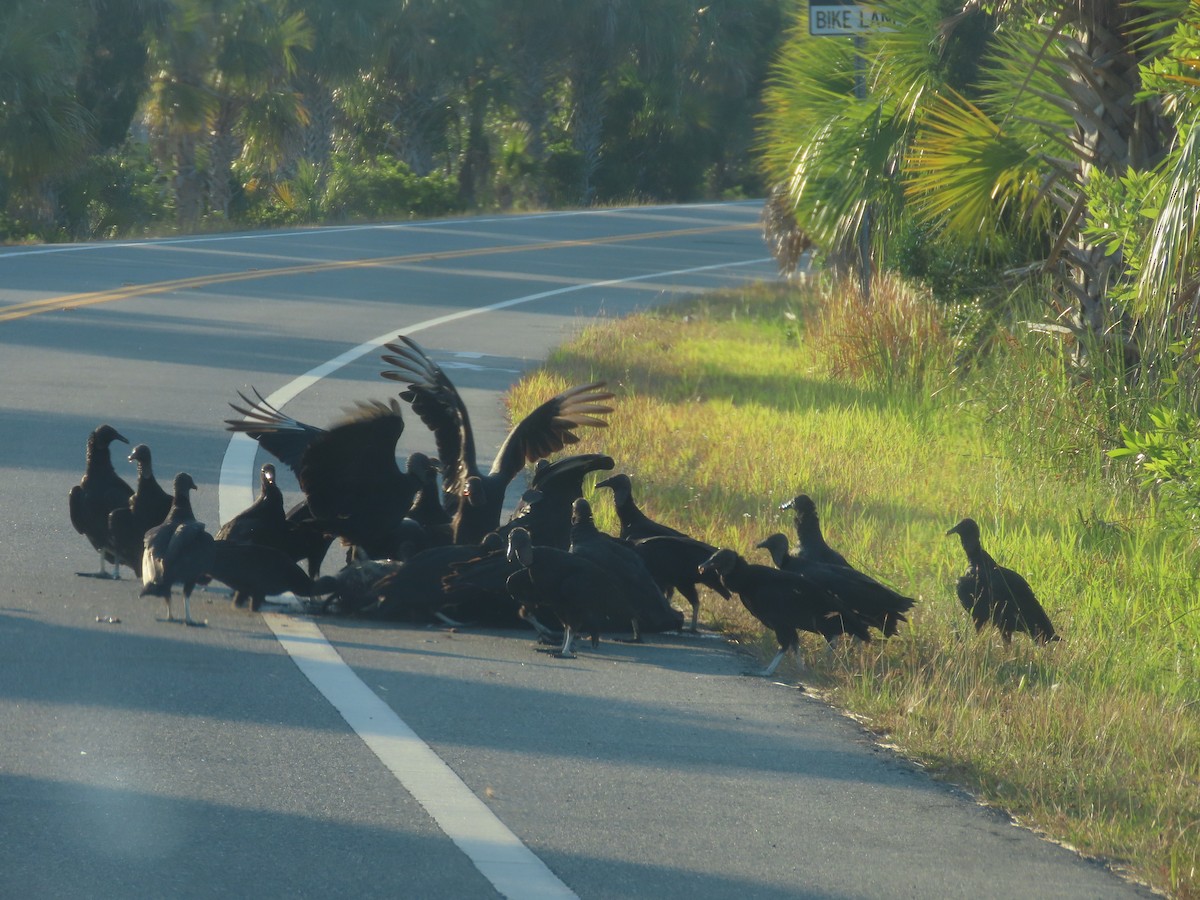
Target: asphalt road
(143, 759)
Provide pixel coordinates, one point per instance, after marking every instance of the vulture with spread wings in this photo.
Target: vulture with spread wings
(477, 498)
(348, 473)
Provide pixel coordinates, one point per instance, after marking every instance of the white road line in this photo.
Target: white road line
(499, 855)
(494, 850)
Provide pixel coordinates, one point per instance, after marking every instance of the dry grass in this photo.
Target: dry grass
(730, 405)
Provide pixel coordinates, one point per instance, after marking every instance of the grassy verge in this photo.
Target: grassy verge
(732, 403)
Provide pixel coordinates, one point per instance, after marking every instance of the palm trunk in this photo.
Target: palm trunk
(1100, 79)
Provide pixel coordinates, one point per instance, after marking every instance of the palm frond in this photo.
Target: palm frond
(969, 175)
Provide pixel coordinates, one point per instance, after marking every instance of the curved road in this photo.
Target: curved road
(269, 755)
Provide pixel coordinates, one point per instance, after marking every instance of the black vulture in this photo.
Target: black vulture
(648, 605)
(414, 590)
(581, 594)
(348, 474)
(263, 522)
(179, 551)
(148, 506)
(674, 563)
(99, 492)
(635, 524)
(785, 602)
(545, 508)
(256, 571)
(476, 498)
(306, 539)
(476, 587)
(811, 542)
(878, 604)
(993, 593)
(427, 508)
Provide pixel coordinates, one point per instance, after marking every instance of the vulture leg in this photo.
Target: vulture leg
(773, 664)
(566, 652)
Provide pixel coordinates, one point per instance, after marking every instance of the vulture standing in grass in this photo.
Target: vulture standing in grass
(812, 546)
(348, 473)
(635, 524)
(672, 557)
(99, 492)
(148, 506)
(476, 498)
(785, 602)
(179, 551)
(878, 604)
(992, 593)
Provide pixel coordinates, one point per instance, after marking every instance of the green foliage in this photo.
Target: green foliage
(952, 272)
(106, 195)
(1093, 740)
(561, 173)
(114, 194)
(386, 188)
(647, 101)
(1166, 448)
(1168, 456)
(381, 188)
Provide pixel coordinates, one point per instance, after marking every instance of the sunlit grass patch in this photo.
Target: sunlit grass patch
(734, 403)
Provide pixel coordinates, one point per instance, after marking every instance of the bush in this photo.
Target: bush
(1168, 455)
(385, 188)
(107, 195)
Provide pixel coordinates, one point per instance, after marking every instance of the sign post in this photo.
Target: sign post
(849, 18)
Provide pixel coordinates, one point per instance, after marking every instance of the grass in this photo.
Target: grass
(729, 404)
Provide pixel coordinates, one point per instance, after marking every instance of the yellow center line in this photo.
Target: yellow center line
(90, 298)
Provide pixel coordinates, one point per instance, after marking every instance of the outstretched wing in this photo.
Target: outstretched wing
(279, 434)
(437, 403)
(350, 476)
(552, 426)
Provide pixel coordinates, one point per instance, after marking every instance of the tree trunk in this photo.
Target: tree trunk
(223, 148)
(1100, 75)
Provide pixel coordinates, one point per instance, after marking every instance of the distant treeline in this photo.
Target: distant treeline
(135, 116)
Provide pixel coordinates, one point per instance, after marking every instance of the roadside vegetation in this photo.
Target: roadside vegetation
(732, 403)
(148, 117)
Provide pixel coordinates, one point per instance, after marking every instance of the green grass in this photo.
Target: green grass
(730, 404)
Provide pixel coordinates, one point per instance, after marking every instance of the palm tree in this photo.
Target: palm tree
(837, 155)
(220, 89)
(258, 111)
(43, 128)
(1164, 252)
(1062, 102)
(180, 102)
(345, 39)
